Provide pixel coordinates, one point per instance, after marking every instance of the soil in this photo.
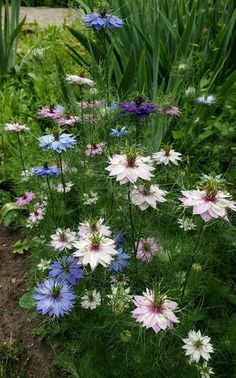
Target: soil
(15, 325)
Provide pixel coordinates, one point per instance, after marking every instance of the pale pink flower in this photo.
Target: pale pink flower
(63, 239)
(36, 216)
(51, 112)
(144, 198)
(173, 111)
(75, 79)
(90, 227)
(94, 249)
(156, 313)
(94, 149)
(69, 121)
(16, 127)
(90, 104)
(61, 188)
(167, 156)
(208, 206)
(147, 248)
(128, 168)
(26, 199)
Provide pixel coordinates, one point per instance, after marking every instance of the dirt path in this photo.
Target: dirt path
(49, 16)
(15, 326)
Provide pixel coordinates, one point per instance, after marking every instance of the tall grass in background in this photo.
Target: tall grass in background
(10, 27)
(165, 47)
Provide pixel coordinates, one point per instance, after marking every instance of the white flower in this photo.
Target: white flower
(44, 264)
(75, 79)
(186, 223)
(119, 298)
(145, 198)
(68, 186)
(89, 227)
(26, 174)
(190, 91)
(90, 198)
(130, 167)
(91, 299)
(197, 346)
(206, 370)
(16, 127)
(63, 239)
(95, 249)
(206, 100)
(167, 156)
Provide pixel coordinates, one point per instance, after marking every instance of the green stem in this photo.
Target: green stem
(106, 66)
(51, 196)
(62, 178)
(20, 149)
(195, 251)
(132, 224)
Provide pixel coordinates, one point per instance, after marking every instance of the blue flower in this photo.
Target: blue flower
(45, 171)
(120, 262)
(54, 298)
(141, 110)
(119, 133)
(103, 21)
(119, 239)
(206, 100)
(57, 143)
(67, 270)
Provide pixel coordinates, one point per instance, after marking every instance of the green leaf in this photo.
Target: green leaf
(21, 246)
(6, 208)
(27, 301)
(177, 134)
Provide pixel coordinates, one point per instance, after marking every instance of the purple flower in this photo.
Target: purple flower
(67, 270)
(120, 262)
(45, 171)
(140, 110)
(57, 143)
(103, 21)
(54, 298)
(119, 239)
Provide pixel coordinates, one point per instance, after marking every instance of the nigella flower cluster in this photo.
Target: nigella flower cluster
(57, 142)
(166, 156)
(63, 239)
(196, 346)
(147, 249)
(95, 149)
(37, 215)
(16, 127)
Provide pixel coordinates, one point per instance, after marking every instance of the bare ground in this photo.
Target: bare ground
(15, 324)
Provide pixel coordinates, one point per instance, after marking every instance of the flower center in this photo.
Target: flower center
(45, 165)
(198, 344)
(56, 292)
(138, 100)
(95, 242)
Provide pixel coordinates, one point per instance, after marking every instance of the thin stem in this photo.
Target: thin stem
(196, 249)
(137, 132)
(82, 122)
(62, 178)
(106, 66)
(132, 224)
(51, 196)
(20, 149)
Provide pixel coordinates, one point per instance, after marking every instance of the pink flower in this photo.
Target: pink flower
(208, 206)
(147, 197)
(172, 111)
(81, 80)
(154, 312)
(167, 156)
(147, 248)
(26, 199)
(70, 121)
(16, 127)
(52, 112)
(94, 149)
(130, 167)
